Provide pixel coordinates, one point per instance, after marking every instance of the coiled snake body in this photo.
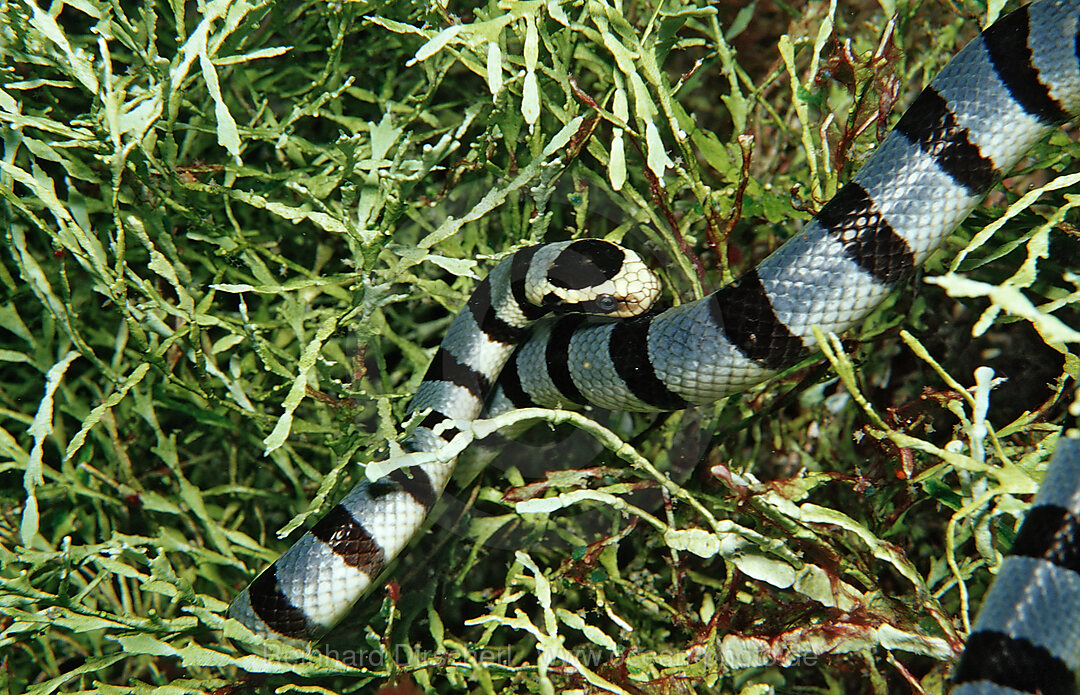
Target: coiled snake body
(1000, 95)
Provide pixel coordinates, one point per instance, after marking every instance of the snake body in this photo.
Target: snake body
(1005, 91)
(313, 585)
(1000, 95)
(1026, 638)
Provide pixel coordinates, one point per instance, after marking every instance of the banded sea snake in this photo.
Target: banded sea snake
(1002, 93)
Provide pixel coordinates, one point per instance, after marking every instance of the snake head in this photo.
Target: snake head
(592, 276)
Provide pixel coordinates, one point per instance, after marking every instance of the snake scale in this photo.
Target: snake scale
(1001, 94)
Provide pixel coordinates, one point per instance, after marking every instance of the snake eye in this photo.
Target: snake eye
(606, 303)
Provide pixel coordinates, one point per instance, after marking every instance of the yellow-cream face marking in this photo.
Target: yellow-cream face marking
(632, 292)
(592, 276)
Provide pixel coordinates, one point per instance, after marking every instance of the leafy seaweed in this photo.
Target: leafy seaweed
(235, 230)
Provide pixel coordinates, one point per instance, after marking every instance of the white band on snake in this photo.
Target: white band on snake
(1000, 95)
